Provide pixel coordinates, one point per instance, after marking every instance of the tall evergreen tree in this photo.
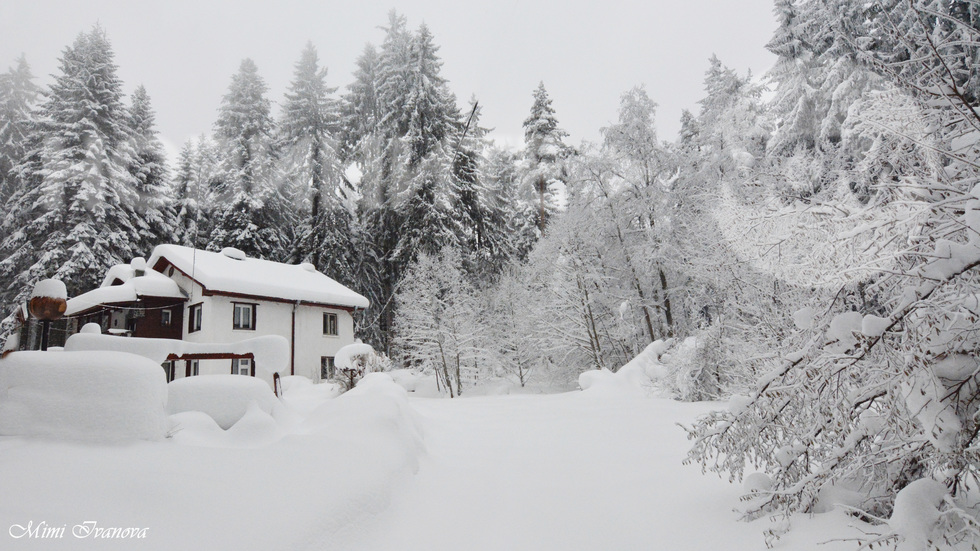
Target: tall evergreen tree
(544, 151)
(249, 205)
(309, 125)
(154, 211)
(185, 198)
(18, 95)
(74, 218)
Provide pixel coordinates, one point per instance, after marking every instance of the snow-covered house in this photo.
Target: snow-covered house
(225, 297)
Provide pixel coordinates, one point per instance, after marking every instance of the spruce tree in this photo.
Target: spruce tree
(18, 95)
(544, 151)
(74, 218)
(309, 125)
(249, 206)
(154, 210)
(184, 193)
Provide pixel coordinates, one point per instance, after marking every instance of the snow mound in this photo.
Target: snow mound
(376, 406)
(89, 396)
(602, 382)
(50, 288)
(255, 428)
(637, 376)
(302, 396)
(416, 383)
(757, 482)
(916, 512)
(224, 398)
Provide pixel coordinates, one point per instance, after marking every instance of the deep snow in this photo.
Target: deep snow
(372, 469)
(576, 471)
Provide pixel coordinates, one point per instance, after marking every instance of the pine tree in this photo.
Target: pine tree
(185, 195)
(430, 112)
(544, 151)
(154, 210)
(18, 94)
(249, 206)
(310, 122)
(74, 218)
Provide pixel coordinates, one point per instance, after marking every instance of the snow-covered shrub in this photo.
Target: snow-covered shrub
(94, 396)
(225, 398)
(354, 360)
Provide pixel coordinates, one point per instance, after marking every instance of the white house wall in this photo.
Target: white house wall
(271, 318)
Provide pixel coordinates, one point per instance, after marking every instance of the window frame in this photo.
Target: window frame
(236, 366)
(166, 317)
(336, 324)
(170, 369)
(252, 309)
(328, 368)
(193, 319)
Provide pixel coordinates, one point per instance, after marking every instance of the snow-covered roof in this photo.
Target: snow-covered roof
(230, 271)
(150, 284)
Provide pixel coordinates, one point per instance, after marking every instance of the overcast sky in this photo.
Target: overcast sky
(586, 53)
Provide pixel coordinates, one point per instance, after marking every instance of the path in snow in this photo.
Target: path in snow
(569, 472)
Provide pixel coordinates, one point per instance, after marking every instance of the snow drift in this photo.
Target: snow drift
(90, 396)
(224, 398)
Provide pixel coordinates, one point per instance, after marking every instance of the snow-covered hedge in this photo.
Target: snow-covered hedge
(92, 396)
(224, 398)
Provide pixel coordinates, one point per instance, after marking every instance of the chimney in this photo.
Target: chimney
(138, 265)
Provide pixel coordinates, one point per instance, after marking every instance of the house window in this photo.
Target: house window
(241, 366)
(193, 368)
(168, 368)
(195, 318)
(244, 316)
(165, 318)
(327, 368)
(329, 324)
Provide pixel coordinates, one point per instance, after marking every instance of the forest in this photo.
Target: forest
(811, 233)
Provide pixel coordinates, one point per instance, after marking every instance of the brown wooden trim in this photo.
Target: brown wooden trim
(254, 320)
(210, 293)
(210, 356)
(292, 345)
(163, 263)
(190, 317)
(124, 304)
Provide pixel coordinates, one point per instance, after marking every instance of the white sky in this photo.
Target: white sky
(587, 53)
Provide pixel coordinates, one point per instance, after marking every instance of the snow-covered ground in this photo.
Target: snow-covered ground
(373, 470)
(568, 472)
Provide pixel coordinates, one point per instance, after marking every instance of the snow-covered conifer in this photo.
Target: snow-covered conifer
(251, 213)
(154, 210)
(544, 151)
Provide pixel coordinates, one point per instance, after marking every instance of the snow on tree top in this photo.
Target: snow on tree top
(52, 288)
(256, 277)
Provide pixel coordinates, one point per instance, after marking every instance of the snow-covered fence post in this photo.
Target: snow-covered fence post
(49, 300)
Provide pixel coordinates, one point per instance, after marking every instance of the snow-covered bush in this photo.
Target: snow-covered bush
(225, 398)
(94, 396)
(354, 360)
